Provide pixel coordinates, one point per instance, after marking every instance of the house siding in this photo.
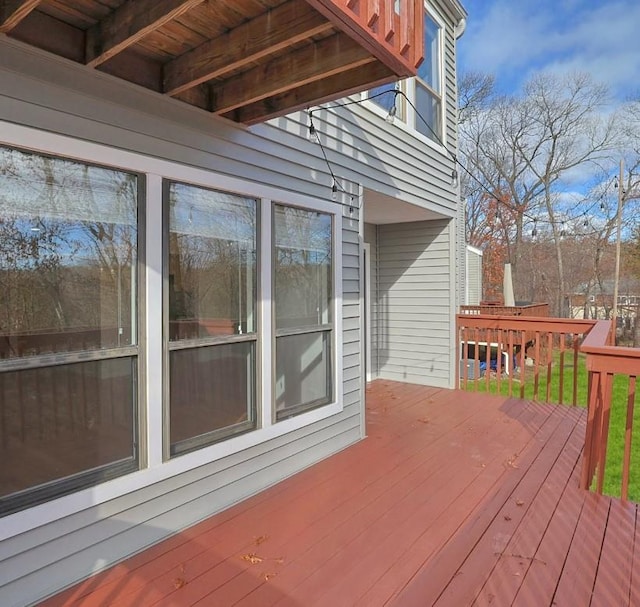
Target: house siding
(56, 96)
(411, 323)
(415, 295)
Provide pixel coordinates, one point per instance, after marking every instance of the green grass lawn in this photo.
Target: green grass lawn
(615, 448)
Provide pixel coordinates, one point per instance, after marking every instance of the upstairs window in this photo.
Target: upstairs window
(420, 104)
(428, 83)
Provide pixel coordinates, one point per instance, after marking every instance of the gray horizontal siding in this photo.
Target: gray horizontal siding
(414, 299)
(64, 98)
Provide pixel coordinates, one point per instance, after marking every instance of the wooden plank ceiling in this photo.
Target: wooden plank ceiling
(246, 60)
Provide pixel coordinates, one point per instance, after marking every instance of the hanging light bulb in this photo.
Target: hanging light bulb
(534, 231)
(602, 206)
(454, 178)
(392, 113)
(313, 134)
(563, 231)
(334, 190)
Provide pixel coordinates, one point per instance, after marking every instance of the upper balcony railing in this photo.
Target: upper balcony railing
(568, 362)
(392, 30)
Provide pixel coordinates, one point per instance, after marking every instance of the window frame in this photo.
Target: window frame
(47, 492)
(171, 450)
(303, 330)
(440, 96)
(153, 468)
(406, 117)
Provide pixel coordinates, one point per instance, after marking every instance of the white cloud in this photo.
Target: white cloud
(514, 39)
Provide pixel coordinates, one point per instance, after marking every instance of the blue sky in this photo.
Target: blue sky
(515, 38)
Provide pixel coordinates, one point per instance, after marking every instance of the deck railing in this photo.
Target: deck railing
(525, 356)
(392, 31)
(608, 365)
(563, 361)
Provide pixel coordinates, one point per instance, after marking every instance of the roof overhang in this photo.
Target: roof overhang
(246, 60)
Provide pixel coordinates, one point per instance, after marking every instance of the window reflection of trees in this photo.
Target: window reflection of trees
(303, 267)
(67, 255)
(212, 263)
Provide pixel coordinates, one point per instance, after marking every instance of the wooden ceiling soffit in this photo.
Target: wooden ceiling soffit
(309, 64)
(341, 84)
(273, 31)
(130, 23)
(13, 12)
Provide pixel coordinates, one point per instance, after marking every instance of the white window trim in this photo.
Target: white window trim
(408, 122)
(158, 470)
(411, 87)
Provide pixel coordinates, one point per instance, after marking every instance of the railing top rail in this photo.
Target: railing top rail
(525, 323)
(602, 356)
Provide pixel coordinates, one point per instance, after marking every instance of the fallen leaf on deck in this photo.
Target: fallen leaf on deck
(252, 558)
(279, 561)
(259, 540)
(268, 576)
(424, 420)
(507, 517)
(519, 503)
(179, 583)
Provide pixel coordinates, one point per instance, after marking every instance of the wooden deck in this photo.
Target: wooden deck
(454, 499)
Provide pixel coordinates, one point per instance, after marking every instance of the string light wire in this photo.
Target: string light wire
(396, 92)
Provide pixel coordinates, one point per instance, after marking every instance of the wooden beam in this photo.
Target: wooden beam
(130, 23)
(369, 38)
(273, 31)
(200, 96)
(303, 66)
(320, 91)
(13, 12)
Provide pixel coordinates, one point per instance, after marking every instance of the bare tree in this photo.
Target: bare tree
(522, 148)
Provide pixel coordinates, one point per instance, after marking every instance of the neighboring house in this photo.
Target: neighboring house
(188, 313)
(596, 302)
(473, 274)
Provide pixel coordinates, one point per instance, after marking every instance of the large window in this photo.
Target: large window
(68, 326)
(428, 84)
(211, 308)
(303, 279)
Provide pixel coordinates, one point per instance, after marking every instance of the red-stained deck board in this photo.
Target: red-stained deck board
(429, 501)
(173, 554)
(346, 539)
(541, 578)
(393, 527)
(450, 579)
(514, 560)
(613, 578)
(584, 554)
(406, 529)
